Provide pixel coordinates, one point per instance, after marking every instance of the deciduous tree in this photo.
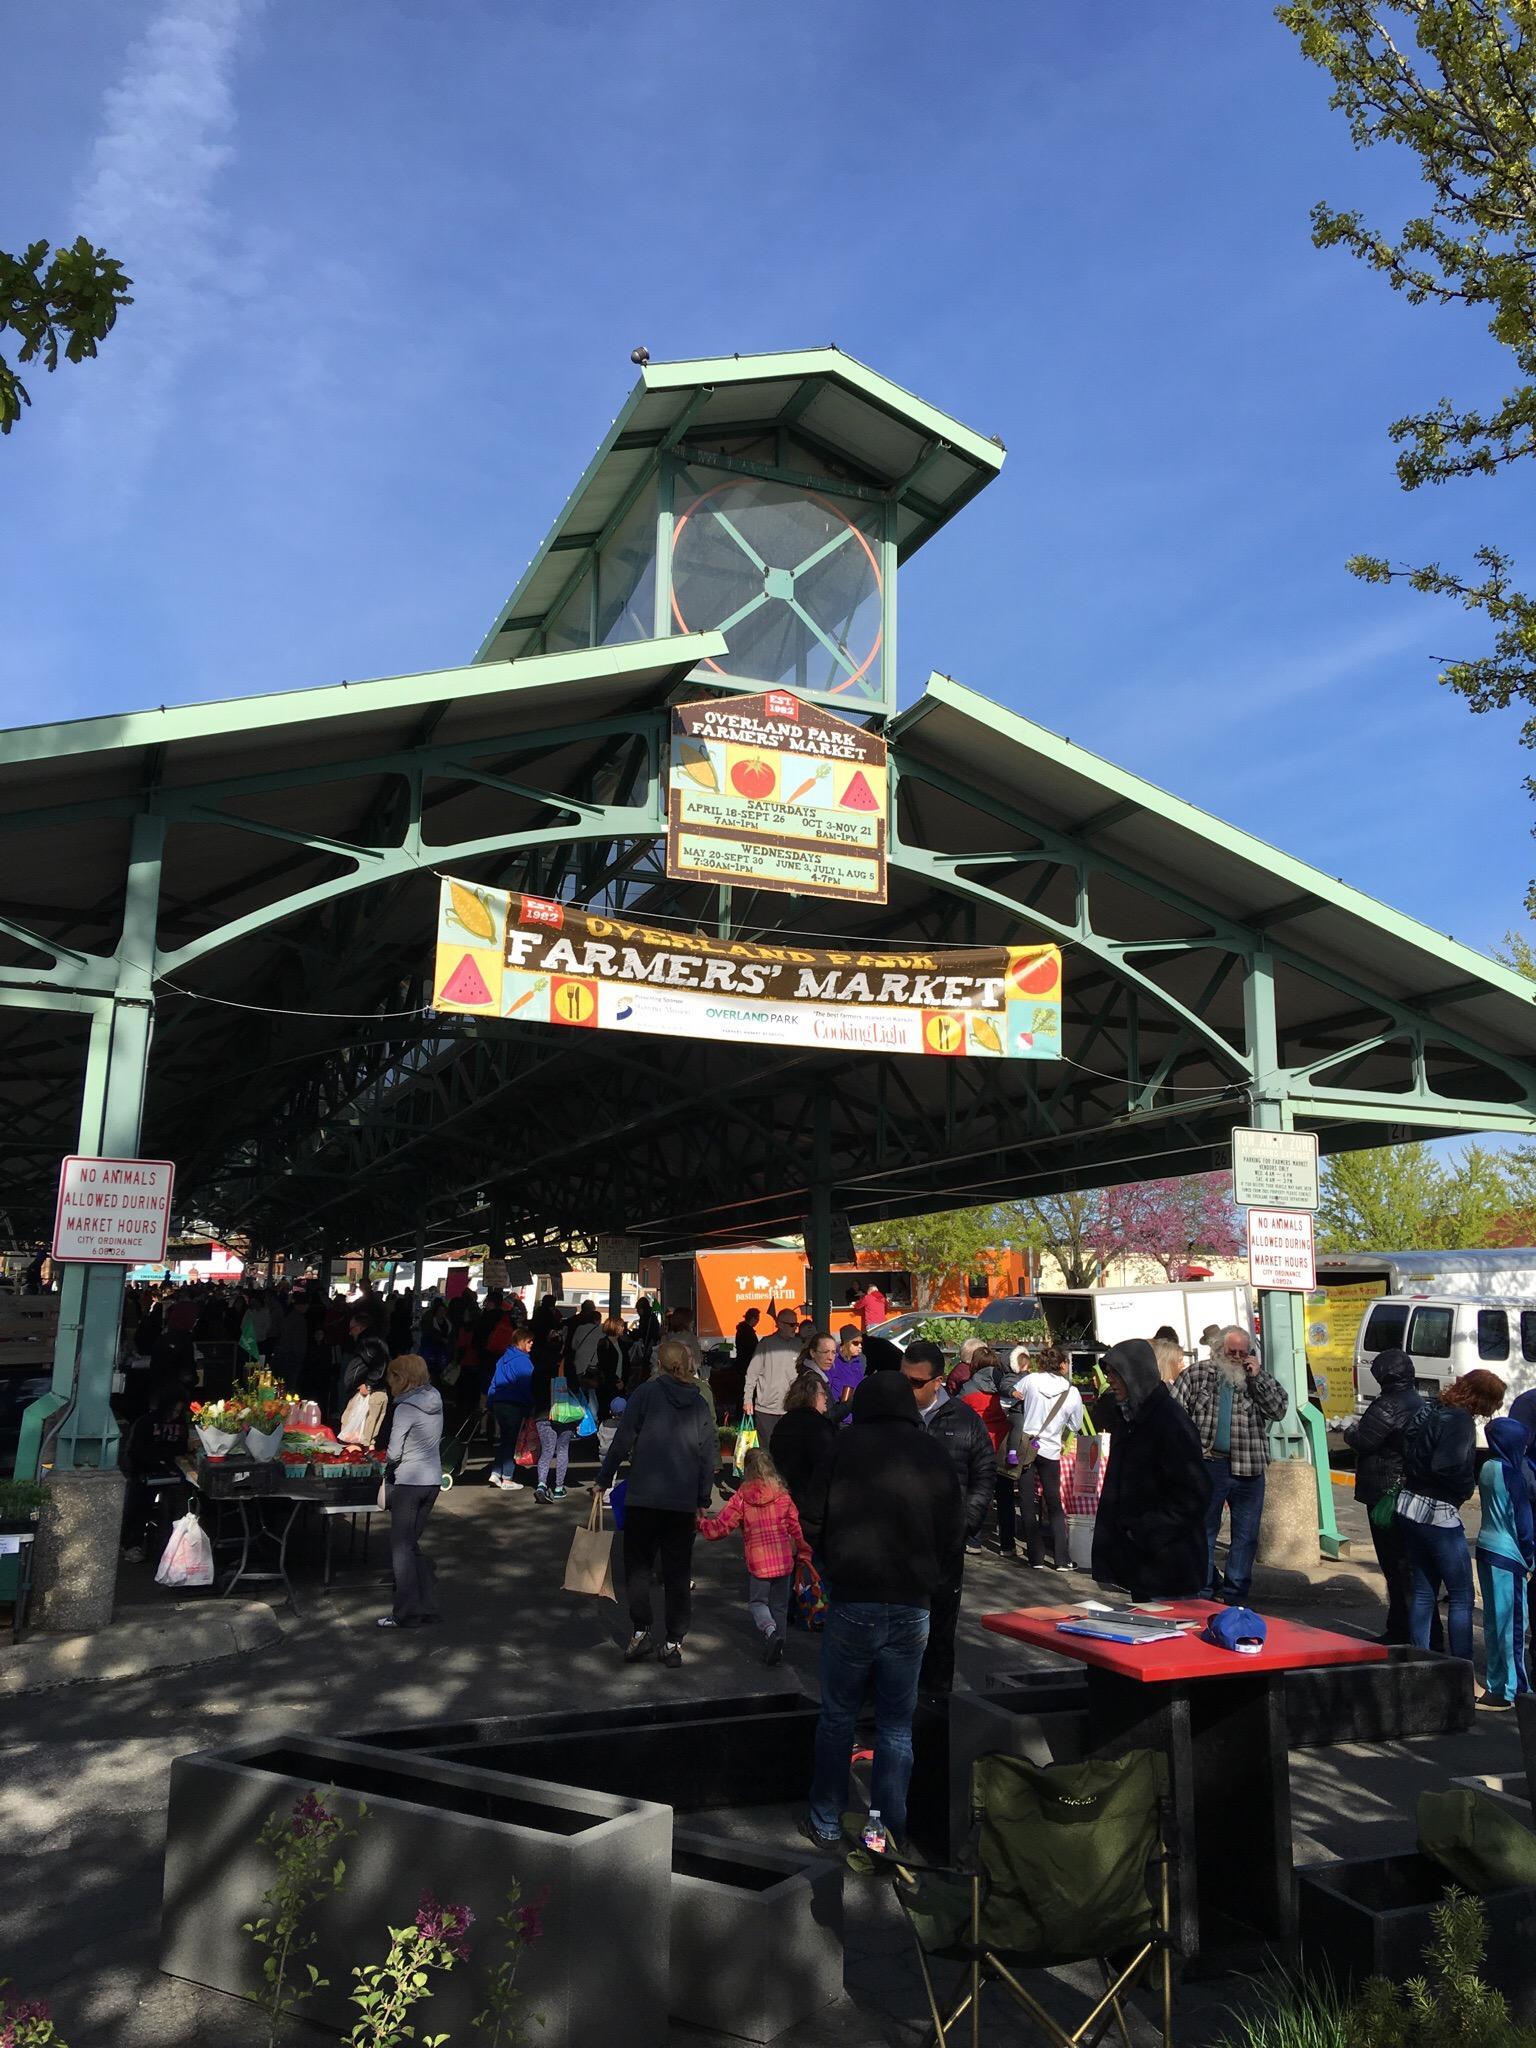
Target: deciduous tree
(1402, 1198)
(1454, 83)
(930, 1248)
(53, 298)
(1171, 1221)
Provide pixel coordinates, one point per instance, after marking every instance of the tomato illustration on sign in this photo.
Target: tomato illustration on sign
(943, 1032)
(465, 988)
(858, 796)
(753, 778)
(1036, 974)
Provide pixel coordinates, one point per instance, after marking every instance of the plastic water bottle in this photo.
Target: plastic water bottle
(874, 1833)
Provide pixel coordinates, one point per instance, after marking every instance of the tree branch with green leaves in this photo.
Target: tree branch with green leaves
(1453, 82)
(56, 300)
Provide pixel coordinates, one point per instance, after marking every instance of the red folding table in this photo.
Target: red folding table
(1220, 1717)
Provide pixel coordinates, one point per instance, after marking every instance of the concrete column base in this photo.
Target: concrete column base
(75, 1574)
(1288, 1532)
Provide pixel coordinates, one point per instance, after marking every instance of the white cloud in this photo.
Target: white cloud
(149, 200)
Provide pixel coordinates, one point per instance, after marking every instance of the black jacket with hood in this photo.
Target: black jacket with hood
(964, 1435)
(1149, 1535)
(668, 1437)
(1376, 1436)
(885, 1511)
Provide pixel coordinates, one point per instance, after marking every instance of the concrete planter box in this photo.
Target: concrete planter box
(599, 1976)
(693, 1756)
(1416, 1692)
(757, 1937)
(1024, 1721)
(434, 1737)
(1513, 1793)
(1370, 1917)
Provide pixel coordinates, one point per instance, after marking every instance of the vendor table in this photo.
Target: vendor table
(266, 1534)
(1219, 1715)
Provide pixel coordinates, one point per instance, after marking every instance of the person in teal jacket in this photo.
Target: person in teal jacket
(1506, 1556)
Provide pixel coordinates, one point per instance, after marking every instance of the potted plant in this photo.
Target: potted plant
(218, 1425)
(21, 1504)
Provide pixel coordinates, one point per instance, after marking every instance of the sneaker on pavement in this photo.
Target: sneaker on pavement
(672, 1655)
(541, 1494)
(557, 1493)
(773, 1650)
(639, 1645)
(497, 1479)
(815, 1837)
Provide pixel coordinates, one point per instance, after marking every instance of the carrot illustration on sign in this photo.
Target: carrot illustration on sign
(528, 995)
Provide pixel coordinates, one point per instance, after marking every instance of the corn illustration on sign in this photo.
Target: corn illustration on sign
(533, 960)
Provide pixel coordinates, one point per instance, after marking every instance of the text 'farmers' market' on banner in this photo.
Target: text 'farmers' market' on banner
(772, 791)
(536, 961)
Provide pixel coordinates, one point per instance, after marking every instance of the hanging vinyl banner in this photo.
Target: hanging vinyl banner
(537, 961)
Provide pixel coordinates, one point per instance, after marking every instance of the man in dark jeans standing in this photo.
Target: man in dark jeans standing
(963, 1435)
(886, 1516)
(1232, 1403)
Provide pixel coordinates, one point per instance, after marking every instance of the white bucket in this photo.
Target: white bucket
(1080, 1541)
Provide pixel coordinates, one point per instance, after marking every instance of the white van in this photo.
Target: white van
(1446, 1337)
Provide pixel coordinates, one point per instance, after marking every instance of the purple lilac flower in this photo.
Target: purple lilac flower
(447, 1924)
(310, 1817)
(530, 1918)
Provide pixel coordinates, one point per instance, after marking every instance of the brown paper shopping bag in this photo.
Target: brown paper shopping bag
(589, 1568)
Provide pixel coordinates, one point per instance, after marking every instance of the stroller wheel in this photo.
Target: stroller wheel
(447, 1482)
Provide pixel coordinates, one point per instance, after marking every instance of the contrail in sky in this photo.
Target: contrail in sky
(148, 200)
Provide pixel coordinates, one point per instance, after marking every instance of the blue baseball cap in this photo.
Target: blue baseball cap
(1237, 1628)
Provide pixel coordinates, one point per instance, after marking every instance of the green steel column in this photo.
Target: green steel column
(1283, 1314)
(818, 1249)
(112, 1110)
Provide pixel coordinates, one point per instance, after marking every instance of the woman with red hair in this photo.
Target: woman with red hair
(1439, 1473)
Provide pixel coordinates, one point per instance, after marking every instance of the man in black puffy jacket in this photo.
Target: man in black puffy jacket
(964, 1437)
(1376, 1438)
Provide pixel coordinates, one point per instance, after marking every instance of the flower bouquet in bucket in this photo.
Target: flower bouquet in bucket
(219, 1425)
(265, 1415)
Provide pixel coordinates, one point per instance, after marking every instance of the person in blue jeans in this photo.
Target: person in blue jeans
(509, 1399)
(886, 1514)
(1232, 1403)
(1439, 1473)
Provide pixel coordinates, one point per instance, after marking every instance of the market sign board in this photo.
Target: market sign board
(1274, 1169)
(777, 793)
(537, 961)
(617, 1254)
(1280, 1250)
(113, 1212)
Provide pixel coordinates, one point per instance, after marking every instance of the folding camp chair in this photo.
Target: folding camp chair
(1069, 1865)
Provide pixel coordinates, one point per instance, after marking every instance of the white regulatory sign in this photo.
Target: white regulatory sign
(1280, 1251)
(1274, 1169)
(113, 1212)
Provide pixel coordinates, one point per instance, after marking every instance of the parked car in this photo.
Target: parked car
(1012, 1308)
(900, 1330)
(1446, 1337)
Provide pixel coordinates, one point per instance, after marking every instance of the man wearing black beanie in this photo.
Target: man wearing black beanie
(887, 1516)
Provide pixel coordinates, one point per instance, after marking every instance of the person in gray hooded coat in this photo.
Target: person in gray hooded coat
(414, 1468)
(1149, 1534)
(668, 1437)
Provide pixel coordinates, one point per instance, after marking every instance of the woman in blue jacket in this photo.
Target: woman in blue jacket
(509, 1401)
(1506, 1555)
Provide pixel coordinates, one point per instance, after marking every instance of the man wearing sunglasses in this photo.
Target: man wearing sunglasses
(1232, 1403)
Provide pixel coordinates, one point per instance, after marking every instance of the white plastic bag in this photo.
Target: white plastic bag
(187, 1559)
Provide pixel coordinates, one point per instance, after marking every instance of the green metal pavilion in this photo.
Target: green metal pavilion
(216, 920)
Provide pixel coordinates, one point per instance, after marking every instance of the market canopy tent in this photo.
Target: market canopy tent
(258, 880)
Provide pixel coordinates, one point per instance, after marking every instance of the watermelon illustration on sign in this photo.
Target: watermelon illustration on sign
(858, 796)
(465, 987)
(1036, 975)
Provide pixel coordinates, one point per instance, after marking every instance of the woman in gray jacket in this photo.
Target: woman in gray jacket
(414, 1479)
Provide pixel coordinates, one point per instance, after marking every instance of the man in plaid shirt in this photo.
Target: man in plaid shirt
(1232, 1403)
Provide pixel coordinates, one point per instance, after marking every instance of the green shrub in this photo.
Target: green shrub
(21, 1498)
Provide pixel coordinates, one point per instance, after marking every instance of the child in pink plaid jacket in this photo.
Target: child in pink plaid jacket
(770, 1527)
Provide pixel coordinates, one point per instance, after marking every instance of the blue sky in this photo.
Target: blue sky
(391, 257)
